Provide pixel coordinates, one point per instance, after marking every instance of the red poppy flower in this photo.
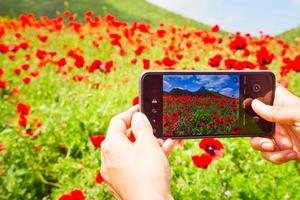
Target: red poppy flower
(106, 67)
(215, 61)
(168, 62)
(2, 147)
(23, 109)
(134, 61)
(25, 67)
(235, 130)
(211, 146)
(34, 73)
(79, 61)
(26, 80)
(99, 179)
(61, 62)
(161, 33)
(231, 63)
(139, 50)
(42, 38)
(40, 54)
(4, 49)
(77, 195)
(1, 71)
(29, 132)
(215, 28)
(146, 64)
(202, 161)
(238, 43)
(135, 100)
(17, 71)
(22, 121)
(96, 140)
(3, 84)
(264, 57)
(202, 124)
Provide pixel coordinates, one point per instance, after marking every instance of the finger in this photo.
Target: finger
(127, 115)
(286, 97)
(119, 124)
(282, 138)
(262, 144)
(280, 157)
(282, 115)
(142, 128)
(168, 146)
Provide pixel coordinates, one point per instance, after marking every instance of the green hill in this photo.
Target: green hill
(290, 35)
(126, 10)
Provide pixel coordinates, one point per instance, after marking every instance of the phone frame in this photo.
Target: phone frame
(213, 72)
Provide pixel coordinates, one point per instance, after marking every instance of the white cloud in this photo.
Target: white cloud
(226, 91)
(166, 85)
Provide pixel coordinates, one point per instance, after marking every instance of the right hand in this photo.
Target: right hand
(284, 145)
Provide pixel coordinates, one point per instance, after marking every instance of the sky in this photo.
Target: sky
(223, 84)
(247, 16)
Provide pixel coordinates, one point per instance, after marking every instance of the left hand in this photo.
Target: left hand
(138, 170)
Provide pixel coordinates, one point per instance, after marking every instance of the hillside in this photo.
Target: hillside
(129, 10)
(290, 35)
(201, 92)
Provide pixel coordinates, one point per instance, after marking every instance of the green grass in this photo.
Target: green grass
(290, 35)
(129, 10)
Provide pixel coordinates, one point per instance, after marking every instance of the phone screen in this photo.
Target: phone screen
(207, 104)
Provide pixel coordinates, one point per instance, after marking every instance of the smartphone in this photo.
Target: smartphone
(198, 104)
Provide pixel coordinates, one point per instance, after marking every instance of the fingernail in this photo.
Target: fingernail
(258, 102)
(267, 145)
(292, 155)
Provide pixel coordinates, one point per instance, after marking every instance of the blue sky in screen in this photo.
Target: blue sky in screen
(224, 84)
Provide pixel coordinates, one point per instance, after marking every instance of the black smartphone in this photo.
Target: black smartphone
(197, 104)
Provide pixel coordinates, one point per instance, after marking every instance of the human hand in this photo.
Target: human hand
(140, 169)
(284, 145)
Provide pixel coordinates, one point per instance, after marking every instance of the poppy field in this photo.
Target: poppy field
(62, 79)
(192, 115)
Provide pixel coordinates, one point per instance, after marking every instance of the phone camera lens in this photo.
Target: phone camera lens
(256, 88)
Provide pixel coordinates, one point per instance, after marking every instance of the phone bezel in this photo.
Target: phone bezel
(187, 72)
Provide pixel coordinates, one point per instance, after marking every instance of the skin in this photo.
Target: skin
(284, 145)
(138, 170)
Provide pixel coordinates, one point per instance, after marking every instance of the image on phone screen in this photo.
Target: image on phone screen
(201, 104)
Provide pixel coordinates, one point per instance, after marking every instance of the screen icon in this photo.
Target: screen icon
(154, 101)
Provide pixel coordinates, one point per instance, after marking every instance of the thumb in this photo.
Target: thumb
(141, 127)
(281, 115)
